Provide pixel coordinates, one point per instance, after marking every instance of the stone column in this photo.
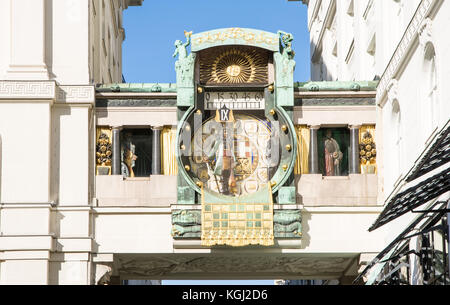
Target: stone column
(156, 150)
(313, 151)
(116, 163)
(353, 161)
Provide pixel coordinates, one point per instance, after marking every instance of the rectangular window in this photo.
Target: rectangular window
(136, 151)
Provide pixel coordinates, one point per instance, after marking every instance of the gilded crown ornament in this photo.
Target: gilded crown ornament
(367, 149)
(103, 150)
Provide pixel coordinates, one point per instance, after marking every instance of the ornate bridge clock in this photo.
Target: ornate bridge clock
(236, 142)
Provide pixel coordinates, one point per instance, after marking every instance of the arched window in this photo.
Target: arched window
(430, 103)
(397, 136)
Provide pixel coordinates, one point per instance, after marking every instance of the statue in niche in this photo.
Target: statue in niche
(184, 66)
(128, 156)
(333, 156)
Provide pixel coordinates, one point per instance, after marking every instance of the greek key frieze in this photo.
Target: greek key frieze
(32, 89)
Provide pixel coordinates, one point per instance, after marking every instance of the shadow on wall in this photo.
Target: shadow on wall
(56, 150)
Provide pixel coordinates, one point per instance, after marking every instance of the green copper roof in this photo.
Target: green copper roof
(138, 87)
(337, 86)
(298, 86)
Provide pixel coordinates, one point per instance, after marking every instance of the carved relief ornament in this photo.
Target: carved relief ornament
(425, 32)
(392, 91)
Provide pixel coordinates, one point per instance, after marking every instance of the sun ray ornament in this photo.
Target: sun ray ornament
(234, 66)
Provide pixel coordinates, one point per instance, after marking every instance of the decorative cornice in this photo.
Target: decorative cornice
(76, 94)
(335, 102)
(235, 36)
(42, 90)
(407, 41)
(136, 102)
(230, 265)
(137, 87)
(354, 86)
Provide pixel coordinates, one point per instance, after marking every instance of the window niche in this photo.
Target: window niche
(136, 150)
(333, 151)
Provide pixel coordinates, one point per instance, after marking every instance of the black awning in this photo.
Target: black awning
(425, 221)
(413, 197)
(438, 154)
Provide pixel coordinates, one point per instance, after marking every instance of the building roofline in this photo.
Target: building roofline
(358, 87)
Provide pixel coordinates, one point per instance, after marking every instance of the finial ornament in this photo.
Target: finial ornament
(286, 44)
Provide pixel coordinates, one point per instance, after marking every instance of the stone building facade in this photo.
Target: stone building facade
(99, 193)
(398, 43)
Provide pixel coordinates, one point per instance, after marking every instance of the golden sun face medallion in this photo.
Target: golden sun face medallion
(233, 70)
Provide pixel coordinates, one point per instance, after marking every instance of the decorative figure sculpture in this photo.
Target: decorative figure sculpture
(284, 70)
(181, 47)
(286, 39)
(128, 156)
(184, 68)
(220, 157)
(333, 156)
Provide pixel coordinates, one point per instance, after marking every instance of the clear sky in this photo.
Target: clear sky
(152, 29)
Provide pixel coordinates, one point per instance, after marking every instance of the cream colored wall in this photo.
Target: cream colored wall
(375, 27)
(25, 170)
(4, 36)
(47, 135)
(334, 115)
(69, 46)
(70, 159)
(326, 231)
(143, 230)
(73, 42)
(136, 116)
(117, 191)
(415, 110)
(402, 34)
(410, 93)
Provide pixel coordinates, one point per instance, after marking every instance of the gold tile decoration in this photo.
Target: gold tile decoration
(237, 224)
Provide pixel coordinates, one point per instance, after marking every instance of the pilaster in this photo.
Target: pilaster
(156, 150)
(28, 41)
(116, 163)
(354, 150)
(313, 150)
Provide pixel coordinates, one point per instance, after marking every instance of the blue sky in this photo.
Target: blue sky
(152, 29)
